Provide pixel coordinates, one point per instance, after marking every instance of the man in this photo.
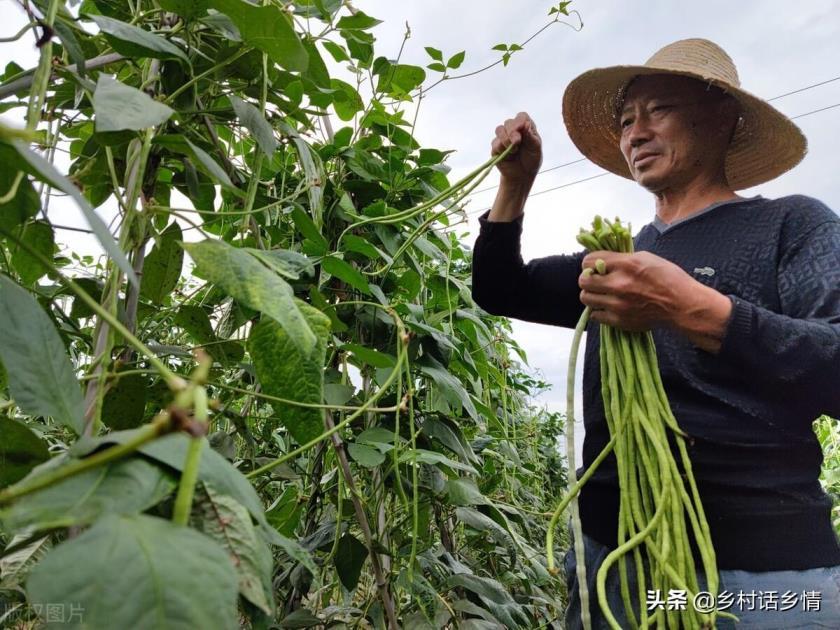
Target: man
(742, 295)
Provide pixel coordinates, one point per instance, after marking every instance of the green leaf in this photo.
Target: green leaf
(495, 596)
(456, 60)
(375, 435)
(301, 618)
(245, 279)
(119, 106)
(346, 100)
(39, 236)
(23, 205)
(306, 226)
(450, 436)
(423, 456)
(267, 28)
(162, 267)
(349, 559)
(370, 356)
(256, 123)
(483, 523)
(228, 522)
(357, 22)
(195, 322)
(437, 67)
(187, 9)
(20, 451)
(132, 41)
(47, 172)
(401, 79)
(340, 269)
(124, 404)
(284, 514)
(123, 487)
(286, 262)
(286, 372)
(200, 157)
(42, 381)
(337, 393)
(139, 572)
(365, 455)
(450, 386)
(434, 53)
(336, 50)
(463, 491)
(171, 450)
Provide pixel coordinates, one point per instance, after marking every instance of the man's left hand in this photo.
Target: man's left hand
(641, 291)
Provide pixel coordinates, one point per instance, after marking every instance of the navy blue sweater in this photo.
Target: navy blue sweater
(749, 408)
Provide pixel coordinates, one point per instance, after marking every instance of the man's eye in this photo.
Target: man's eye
(626, 122)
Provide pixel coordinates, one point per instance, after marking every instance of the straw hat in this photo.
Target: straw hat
(765, 144)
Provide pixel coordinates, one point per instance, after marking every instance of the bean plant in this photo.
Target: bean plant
(271, 401)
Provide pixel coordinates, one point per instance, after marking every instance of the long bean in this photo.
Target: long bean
(660, 511)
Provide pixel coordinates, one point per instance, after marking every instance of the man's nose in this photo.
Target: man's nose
(639, 131)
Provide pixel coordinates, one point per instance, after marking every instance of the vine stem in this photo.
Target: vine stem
(161, 425)
(189, 476)
(361, 516)
(41, 79)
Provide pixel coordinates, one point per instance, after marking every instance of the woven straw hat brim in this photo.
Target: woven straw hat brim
(765, 145)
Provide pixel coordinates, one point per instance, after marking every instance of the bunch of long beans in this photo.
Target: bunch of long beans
(660, 507)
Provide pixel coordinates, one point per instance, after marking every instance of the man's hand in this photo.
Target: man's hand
(641, 291)
(520, 167)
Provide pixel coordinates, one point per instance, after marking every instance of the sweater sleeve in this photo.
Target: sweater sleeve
(799, 348)
(545, 290)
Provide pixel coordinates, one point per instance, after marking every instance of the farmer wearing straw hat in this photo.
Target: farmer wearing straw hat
(742, 295)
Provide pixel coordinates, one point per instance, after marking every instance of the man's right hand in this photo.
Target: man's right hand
(521, 166)
(518, 169)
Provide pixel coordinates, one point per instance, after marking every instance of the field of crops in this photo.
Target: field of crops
(271, 401)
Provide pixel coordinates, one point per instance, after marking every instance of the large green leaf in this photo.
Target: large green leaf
(162, 267)
(22, 206)
(244, 278)
(124, 404)
(41, 379)
(46, 172)
(286, 372)
(463, 491)
(171, 450)
(123, 487)
(228, 522)
(349, 559)
(483, 523)
(119, 106)
(340, 269)
(267, 28)
(495, 596)
(451, 388)
(133, 41)
(200, 157)
(256, 123)
(139, 572)
(39, 236)
(20, 451)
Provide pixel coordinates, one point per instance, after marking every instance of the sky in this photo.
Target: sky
(778, 47)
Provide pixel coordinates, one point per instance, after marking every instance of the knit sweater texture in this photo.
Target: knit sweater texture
(748, 409)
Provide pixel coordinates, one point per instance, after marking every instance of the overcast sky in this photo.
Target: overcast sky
(778, 47)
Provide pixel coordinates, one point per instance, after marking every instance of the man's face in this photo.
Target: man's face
(674, 131)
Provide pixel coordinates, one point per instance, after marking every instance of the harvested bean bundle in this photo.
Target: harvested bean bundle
(659, 507)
